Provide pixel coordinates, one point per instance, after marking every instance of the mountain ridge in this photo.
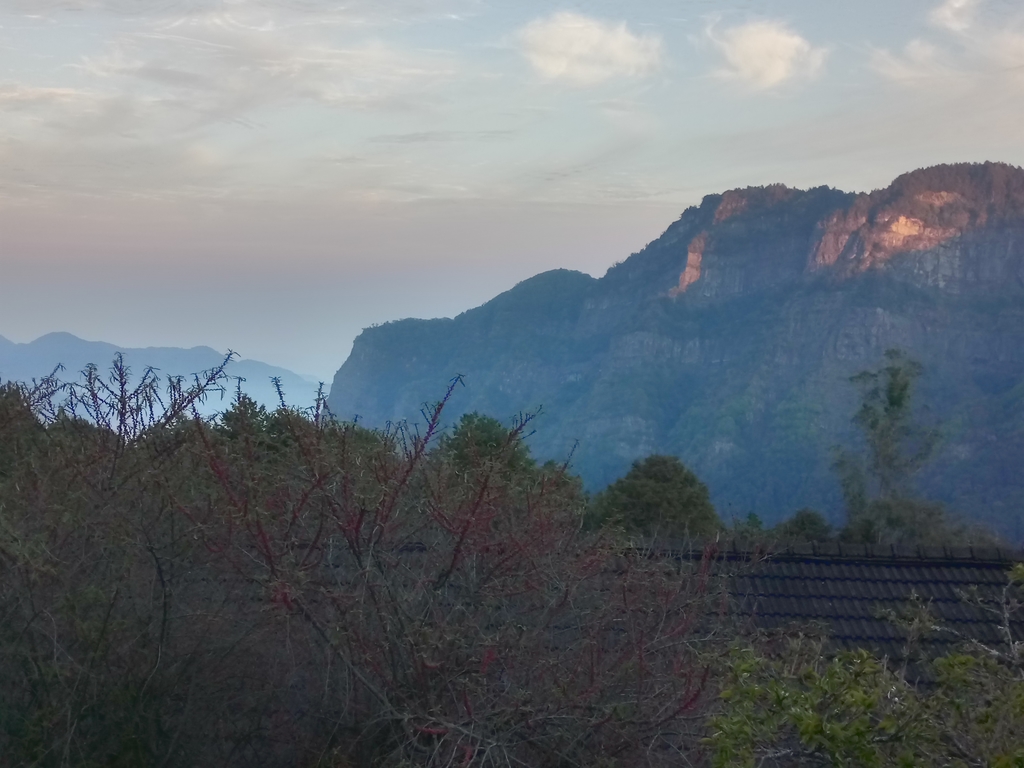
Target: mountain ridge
(729, 341)
(38, 358)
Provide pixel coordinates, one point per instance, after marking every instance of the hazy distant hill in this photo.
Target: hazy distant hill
(729, 341)
(23, 362)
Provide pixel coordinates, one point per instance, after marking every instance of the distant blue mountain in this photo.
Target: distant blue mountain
(25, 362)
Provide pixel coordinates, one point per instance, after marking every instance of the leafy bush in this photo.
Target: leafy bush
(793, 703)
(281, 588)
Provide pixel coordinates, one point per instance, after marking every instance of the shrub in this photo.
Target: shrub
(285, 589)
(794, 703)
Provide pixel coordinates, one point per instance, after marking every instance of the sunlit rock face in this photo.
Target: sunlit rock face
(694, 257)
(730, 339)
(924, 211)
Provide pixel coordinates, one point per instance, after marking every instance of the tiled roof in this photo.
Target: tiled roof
(848, 589)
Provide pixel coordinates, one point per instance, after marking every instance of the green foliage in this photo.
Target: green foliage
(903, 521)
(280, 588)
(245, 417)
(797, 708)
(792, 702)
(849, 711)
(749, 529)
(897, 446)
(881, 505)
(806, 525)
(1017, 574)
(179, 591)
(659, 495)
(478, 442)
(20, 430)
(753, 523)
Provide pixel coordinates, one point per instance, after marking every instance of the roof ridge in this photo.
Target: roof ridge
(846, 552)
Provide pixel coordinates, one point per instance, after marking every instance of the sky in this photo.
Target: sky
(272, 176)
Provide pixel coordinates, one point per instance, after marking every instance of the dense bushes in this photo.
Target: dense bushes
(284, 589)
(280, 588)
(790, 702)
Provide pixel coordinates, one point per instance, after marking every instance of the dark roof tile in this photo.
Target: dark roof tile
(852, 587)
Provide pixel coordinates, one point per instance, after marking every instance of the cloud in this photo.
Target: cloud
(198, 103)
(194, 62)
(15, 95)
(1006, 50)
(375, 12)
(584, 51)
(40, 114)
(920, 61)
(442, 137)
(954, 15)
(975, 54)
(223, 66)
(766, 54)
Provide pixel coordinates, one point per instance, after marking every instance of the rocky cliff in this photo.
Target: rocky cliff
(730, 339)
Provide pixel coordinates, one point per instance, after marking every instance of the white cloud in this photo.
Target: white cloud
(1006, 48)
(585, 51)
(229, 98)
(954, 15)
(765, 54)
(920, 61)
(975, 54)
(16, 95)
(376, 12)
(224, 66)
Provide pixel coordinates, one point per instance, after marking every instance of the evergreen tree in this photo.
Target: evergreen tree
(659, 496)
(480, 441)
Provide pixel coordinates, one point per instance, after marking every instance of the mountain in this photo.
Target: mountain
(729, 341)
(24, 362)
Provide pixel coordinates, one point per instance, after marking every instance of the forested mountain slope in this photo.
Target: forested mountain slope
(729, 341)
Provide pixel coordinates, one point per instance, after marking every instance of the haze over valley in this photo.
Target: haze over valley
(41, 357)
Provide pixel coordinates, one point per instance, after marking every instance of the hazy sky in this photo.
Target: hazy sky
(274, 175)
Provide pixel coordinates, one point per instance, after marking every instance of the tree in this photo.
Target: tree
(749, 529)
(897, 446)
(806, 525)
(881, 505)
(478, 441)
(659, 496)
(19, 427)
(244, 417)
